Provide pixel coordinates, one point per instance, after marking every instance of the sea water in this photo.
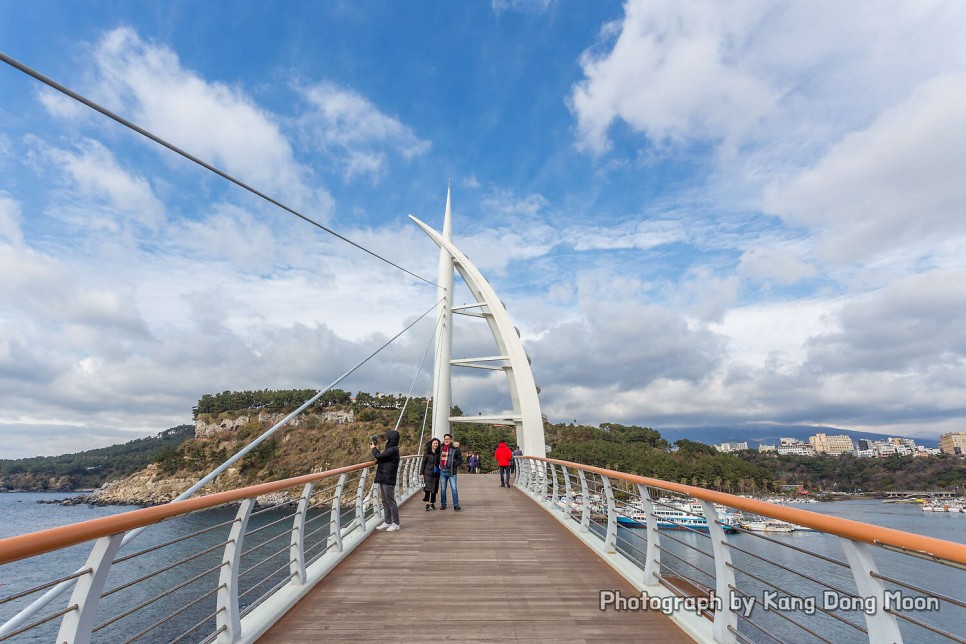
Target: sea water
(158, 593)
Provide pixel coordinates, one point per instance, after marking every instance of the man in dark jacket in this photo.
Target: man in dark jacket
(450, 458)
(387, 464)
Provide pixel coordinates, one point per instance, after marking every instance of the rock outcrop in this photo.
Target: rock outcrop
(147, 487)
(206, 426)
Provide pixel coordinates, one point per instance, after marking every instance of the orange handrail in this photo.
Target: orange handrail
(855, 530)
(35, 543)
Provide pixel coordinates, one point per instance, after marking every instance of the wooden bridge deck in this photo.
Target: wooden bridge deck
(502, 569)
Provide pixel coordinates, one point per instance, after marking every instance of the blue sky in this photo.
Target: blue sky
(696, 213)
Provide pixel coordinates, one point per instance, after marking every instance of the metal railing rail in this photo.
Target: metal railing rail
(687, 549)
(226, 582)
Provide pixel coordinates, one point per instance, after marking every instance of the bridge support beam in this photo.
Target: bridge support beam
(523, 390)
(882, 625)
(78, 624)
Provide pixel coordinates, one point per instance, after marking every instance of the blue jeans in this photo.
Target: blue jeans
(445, 478)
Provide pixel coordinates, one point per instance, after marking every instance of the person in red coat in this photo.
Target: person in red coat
(503, 456)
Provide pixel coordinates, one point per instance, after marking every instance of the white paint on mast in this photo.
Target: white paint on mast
(442, 383)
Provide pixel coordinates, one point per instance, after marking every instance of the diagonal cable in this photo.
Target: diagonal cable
(94, 106)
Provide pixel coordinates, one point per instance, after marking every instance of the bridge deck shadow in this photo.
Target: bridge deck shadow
(502, 569)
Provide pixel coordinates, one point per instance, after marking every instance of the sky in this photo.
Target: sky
(697, 214)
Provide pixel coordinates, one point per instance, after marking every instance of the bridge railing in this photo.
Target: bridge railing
(222, 567)
(733, 569)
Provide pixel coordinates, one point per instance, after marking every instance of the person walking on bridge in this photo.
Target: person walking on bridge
(387, 465)
(450, 458)
(503, 457)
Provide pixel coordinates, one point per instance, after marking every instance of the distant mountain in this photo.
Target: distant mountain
(757, 434)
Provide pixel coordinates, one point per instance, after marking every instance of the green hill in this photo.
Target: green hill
(89, 469)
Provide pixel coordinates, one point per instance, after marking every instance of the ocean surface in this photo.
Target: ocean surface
(162, 607)
(21, 513)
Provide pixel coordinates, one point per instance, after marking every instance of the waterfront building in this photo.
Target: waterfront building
(794, 447)
(766, 448)
(731, 447)
(834, 445)
(953, 443)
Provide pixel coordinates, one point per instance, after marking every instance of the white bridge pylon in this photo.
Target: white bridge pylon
(511, 357)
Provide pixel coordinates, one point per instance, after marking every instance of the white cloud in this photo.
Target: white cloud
(917, 324)
(10, 219)
(675, 71)
(95, 173)
(896, 182)
(356, 132)
(210, 120)
(523, 6)
(641, 235)
(770, 86)
(771, 264)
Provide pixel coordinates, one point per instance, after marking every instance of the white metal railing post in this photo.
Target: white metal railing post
(882, 625)
(525, 474)
(610, 538)
(377, 511)
(335, 514)
(652, 567)
(297, 547)
(725, 618)
(228, 617)
(554, 494)
(568, 491)
(534, 477)
(584, 502)
(361, 500)
(413, 474)
(77, 625)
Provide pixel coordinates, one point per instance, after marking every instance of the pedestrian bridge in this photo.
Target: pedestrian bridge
(548, 560)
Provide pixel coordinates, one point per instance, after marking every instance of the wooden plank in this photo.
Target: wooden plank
(502, 569)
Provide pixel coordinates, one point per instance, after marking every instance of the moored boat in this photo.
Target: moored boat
(676, 517)
(769, 525)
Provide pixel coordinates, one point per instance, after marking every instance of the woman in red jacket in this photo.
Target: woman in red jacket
(503, 456)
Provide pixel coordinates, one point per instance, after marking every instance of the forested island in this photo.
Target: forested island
(335, 431)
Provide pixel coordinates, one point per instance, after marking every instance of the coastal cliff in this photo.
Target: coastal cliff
(312, 442)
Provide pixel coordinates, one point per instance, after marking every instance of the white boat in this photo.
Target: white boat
(769, 525)
(944, 506)
(676, 516)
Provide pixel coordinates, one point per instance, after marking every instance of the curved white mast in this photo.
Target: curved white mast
(442, 382)
(511, 358)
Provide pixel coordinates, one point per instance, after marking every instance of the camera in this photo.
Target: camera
(373, 439)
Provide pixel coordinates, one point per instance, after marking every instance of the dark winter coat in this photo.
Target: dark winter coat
(430, 472)
(387, 461)
(455, 458)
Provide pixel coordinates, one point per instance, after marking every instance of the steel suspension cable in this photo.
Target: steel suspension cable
(416, 377)
(98, 108)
